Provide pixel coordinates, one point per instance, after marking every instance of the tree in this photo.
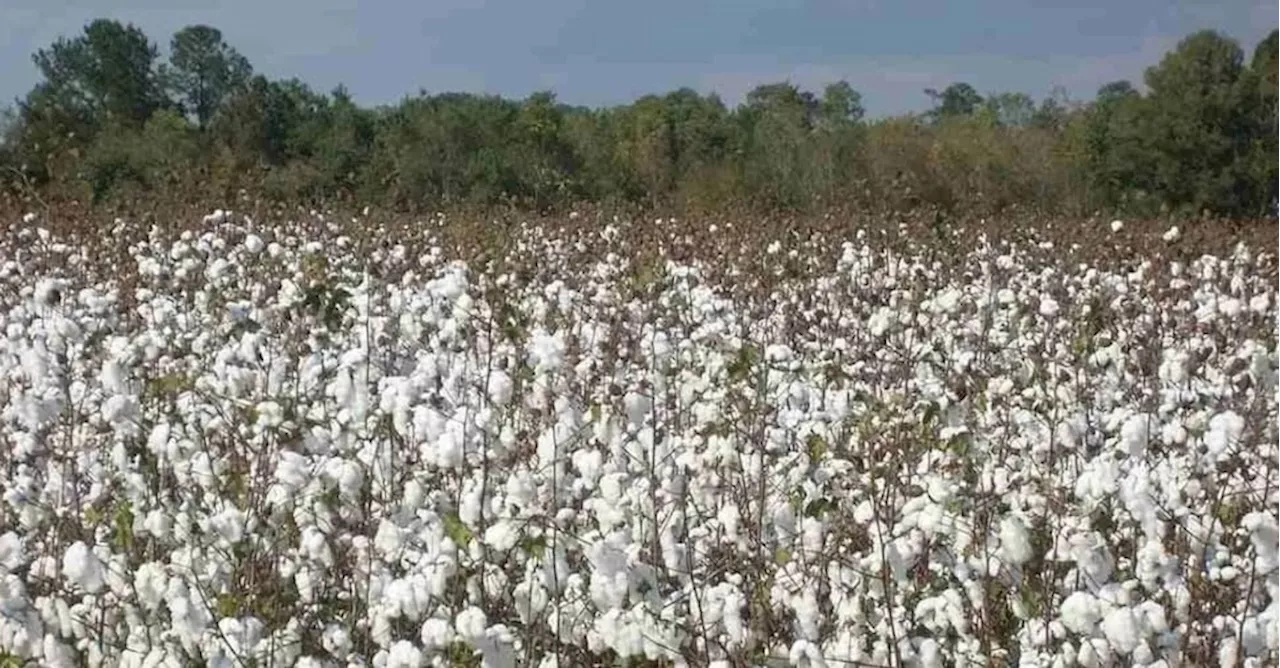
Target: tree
(1115, 91)
(107, 74)
(1117, 152)
(958, 99)
(1010, 109)
(205, 70)
(1265, 73)
(1199, 125)
(550, 164)
(1054, 111)
(777, 121)
(841, 104)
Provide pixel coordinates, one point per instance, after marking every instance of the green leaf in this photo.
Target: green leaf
(931, 414)
(740, 368)
(458, 532)
(782, 556)
(123, 537)
(228, 605)
(817, 507)
(533, 546)
(817, 447)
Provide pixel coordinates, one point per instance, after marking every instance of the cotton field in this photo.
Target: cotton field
(338, 442)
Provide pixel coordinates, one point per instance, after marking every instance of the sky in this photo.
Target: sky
(604, 52)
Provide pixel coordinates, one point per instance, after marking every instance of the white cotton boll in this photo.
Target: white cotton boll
(930, 654)
(1224, 433)
(151, 582)
(270, 415)
(729, 517)
(448, 450)
(502, 536)
(1015, 541)
(471, 624)
(229, 524)
(11, 552)
(112, 377)
(83, 568)
(403, 654)
(1079, 613)
(777, 352)
(1120, 626)
(413, 497)
(316, 547)
(122, 413)
(1117, 225)
(253, 243)
(637, 407)
(949, 300)
(1229, 652)
(335, 640)
(1173, 433)
(388, 539)
(500, 388)
(808, 613)
(436, 634)
(1048, 307)
(1265, 536)
(157, 524)
(1172, 234)
(588, 462)
(56, 654)
(547, 351)
(1135, 434)
(880, 322)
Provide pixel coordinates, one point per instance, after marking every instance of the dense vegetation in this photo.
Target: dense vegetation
(112, 121)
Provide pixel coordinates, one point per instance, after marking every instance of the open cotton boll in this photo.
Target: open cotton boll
(253, 244)
(11, 552)
(1015, 541)
(1122, 629)
(1080, 613)
(471, 624)
(1224, 433)
(83, 568)
(1135, 434)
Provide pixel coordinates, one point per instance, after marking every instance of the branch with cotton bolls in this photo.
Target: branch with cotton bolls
(524, 459)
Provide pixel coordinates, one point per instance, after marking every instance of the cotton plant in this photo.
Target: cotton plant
(332, 442)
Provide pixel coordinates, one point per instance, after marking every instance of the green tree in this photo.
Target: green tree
(841, 105)
(958, 99)
(1264, 76)
(776, 121)
(1117, 150)
(1010, 109)
(205, 70)
(1199, 125)
(108, 74)
(549, 166)
(161, 154)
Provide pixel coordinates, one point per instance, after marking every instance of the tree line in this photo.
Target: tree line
(111, 119)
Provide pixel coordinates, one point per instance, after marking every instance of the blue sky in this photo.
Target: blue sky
(603, 52)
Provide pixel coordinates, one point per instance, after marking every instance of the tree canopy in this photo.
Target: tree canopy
(111, 118)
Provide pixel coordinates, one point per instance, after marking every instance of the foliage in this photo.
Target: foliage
(205, 70)
(1202, 139)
